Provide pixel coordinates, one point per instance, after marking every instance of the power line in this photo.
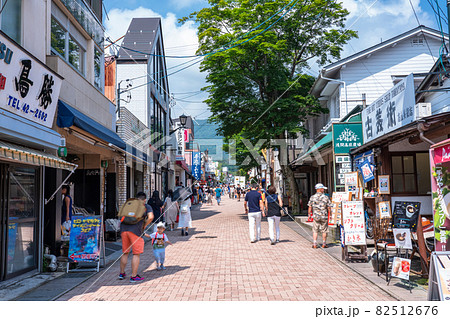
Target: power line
(3, 7)
(425, 37)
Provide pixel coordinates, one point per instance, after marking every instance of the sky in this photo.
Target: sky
(374, 20)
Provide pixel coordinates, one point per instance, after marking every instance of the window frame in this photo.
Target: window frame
(402, 155)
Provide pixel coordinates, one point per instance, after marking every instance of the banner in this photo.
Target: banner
(180, 142)
(196, 165)
(85, 238)
(391, 111)
(353, 221)
(366, 169)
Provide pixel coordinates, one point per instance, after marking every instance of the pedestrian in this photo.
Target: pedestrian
(231, 194)
(210, 201)
(200, 195)
(238, 192)
(274, 205)
(185, 212)
(132, 240)
(156, 203)
(159, 242)
(319, 209)
(218, 194)
(171, 209)
(254, 207)
(66, 210)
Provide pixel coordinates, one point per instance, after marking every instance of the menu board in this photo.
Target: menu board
(353, 221)
(85, 238)
(406, 215)
(351, 182)
(401, 268)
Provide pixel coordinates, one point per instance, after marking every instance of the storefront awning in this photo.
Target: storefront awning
(68, 116)
(34, 157)
(183, 165)
(324, 142)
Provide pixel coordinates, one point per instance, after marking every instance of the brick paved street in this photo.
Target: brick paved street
(218, 262)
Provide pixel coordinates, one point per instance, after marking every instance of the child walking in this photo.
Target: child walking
(159, 241)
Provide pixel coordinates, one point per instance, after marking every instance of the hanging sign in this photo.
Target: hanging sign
(196, 165)
(391, 111)
(85, 238)
(180, 142)
(353, 222)
(346, 136)
(366, 169)
(27, 87)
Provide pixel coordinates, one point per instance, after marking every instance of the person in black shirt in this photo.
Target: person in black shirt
(238, 192)
(254, 207)
(156, 204)
(273, 205)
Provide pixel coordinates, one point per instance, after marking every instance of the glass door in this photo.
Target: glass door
(22, 216)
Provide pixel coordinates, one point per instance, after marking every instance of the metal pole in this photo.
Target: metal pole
(448, 12)
(118, 99)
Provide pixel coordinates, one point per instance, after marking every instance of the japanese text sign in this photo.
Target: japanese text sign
(196, 165)
(27, 87)
(346, 136)
(84, 238)
(353, 222)
(180, 143)
(391, 111)
(366, 170)
(442, 154)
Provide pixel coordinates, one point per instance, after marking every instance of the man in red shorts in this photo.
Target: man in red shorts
(132, 240)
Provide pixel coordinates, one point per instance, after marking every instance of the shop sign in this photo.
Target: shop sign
(27, 87)
(406, 214)
(401, 268)
(84, 238)
(180, 142)
(366, 169)
(353, 222)
(351, 181)
(391, 111)
(442, 154)
(196, 165)
(346, 136)
(342, 167)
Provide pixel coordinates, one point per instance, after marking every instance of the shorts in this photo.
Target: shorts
(131, 241)
(320, 226)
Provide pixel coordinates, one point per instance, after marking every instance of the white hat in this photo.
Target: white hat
(320, 185)
(161, 225)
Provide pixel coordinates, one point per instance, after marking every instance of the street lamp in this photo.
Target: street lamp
(183, 120)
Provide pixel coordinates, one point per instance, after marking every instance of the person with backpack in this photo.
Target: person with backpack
(134, 217)
(156, 204)
(171, 209)
(159, 241)
(274, 205)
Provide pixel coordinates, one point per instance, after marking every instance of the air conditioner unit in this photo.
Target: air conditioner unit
(422, 110)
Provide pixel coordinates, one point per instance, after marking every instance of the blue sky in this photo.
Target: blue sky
(375, 20)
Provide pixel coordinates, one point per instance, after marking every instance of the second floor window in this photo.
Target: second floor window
(64, 45)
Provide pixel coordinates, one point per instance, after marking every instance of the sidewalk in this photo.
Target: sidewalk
(396, 288)
(218, 262)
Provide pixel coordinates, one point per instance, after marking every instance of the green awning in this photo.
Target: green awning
(324, 142)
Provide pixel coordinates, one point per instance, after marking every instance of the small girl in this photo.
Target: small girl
(159, 241)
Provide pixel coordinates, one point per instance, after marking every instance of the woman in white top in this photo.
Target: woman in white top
(185, 213)
(171, 209)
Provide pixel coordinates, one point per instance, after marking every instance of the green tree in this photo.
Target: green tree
(256, 85)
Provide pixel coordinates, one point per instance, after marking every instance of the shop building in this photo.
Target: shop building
(142, 86)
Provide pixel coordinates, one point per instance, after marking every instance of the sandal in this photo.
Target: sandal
(324, 246)
(314, 246)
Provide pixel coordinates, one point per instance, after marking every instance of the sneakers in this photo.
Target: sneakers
(314, 246)
(277, 240)
(272, 242)
(122, 276)
(186, 233)
(136, 278)
(162, 267)
(182, 232)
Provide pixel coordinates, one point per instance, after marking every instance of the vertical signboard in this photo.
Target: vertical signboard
(180, 143)
(196, 165)
(440, 187)
(342, 166)
(353, 222)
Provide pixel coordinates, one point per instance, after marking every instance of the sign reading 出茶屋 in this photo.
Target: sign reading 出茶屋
(392, 110)
(346, 136)
(27, 87)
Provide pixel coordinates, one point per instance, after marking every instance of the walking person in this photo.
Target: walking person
(218, 194)
(156, 204)
(238, 192)
(170, 209)
(185, 212)
(274, 205)
(66, 209)
(209, 191)
(319, 209)
(131, 235)
(159, 242)
(254, 208)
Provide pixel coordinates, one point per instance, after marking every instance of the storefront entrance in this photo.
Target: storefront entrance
(19, 212)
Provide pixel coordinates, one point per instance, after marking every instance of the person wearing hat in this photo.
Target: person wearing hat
(159, 241)
(319, 207)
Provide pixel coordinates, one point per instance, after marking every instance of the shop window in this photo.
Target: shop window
(76, 55)
(11, 19)
(411, 174)
(98, 59)
(58, 38)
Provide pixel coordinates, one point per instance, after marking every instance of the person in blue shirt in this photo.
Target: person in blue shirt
(254, 208)
(218, 194)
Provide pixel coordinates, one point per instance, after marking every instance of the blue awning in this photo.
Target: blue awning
(68, 116)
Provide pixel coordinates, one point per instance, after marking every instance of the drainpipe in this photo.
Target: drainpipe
(345, 90)
(422, 127)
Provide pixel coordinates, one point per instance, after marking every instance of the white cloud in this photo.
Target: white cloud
(179, 40)
(181, 4)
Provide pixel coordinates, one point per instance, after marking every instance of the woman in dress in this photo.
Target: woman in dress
(185, 211)
(170, 209)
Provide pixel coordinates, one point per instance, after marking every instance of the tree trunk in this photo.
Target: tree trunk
(288, 175)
